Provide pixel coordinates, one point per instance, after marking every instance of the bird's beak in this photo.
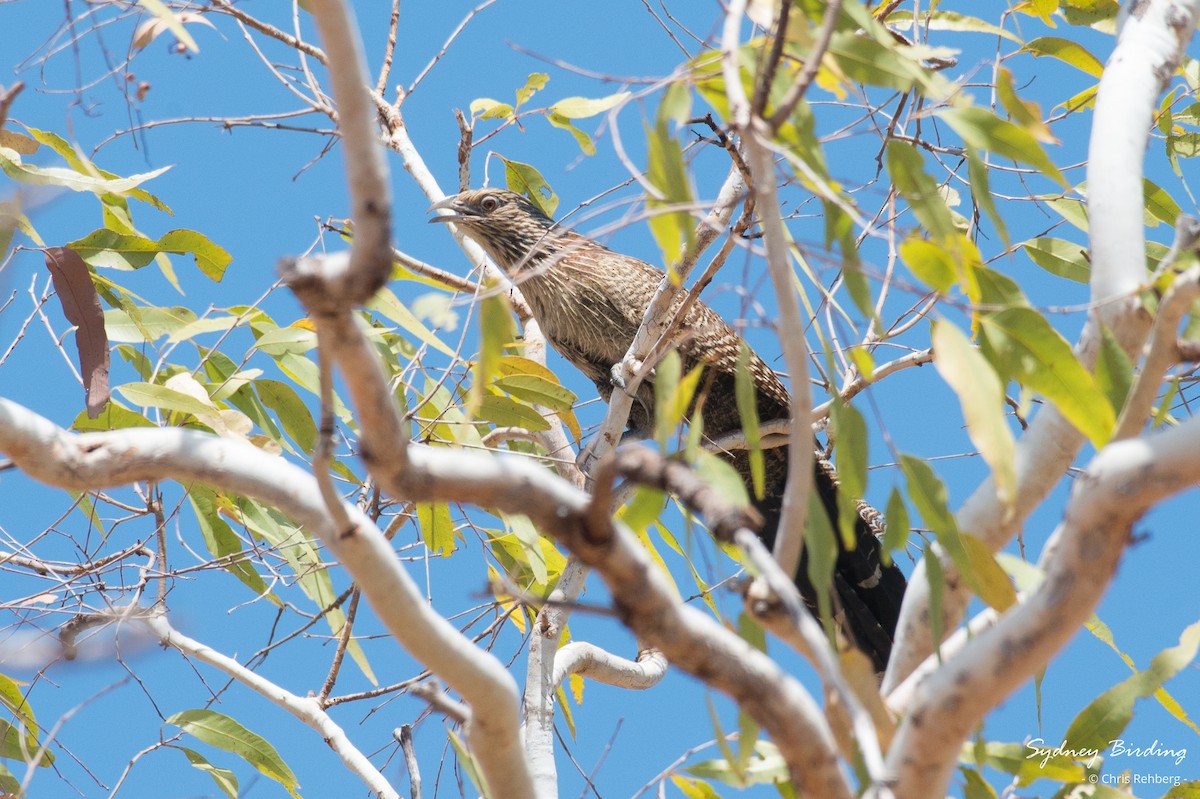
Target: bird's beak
(447, 204)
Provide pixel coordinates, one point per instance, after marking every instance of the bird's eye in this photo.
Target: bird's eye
(489, 204)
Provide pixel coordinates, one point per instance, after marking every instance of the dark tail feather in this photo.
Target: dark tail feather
(867, 593)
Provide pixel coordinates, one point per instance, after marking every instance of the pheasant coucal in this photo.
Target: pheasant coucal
(590, 302)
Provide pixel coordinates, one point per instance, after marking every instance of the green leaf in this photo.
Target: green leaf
(849, 432)
(506, 412)
(584, 140)
(974, 785)
(533, 84)
(895, 532)
(1024, 345)
(985, 574)
(385, 302)
(496, 330)
(747, 406)
(820, 546)
(1114, 370)
(531, 546)
(1059, 257)
(1104, 719)
(981, 395)
(112, 417)
(1099, 629)
(168, 399)
(981, 193)
(216, 729)
(312, 574)
(1022, 112)
(667, 172)
(864, 59)
(1160, 206)
(981, 129)
(137, 325)
(907, 169)
(487, 108)
(293, 414)
(724, 479)
(1068, 52)
(468, 763)
(19, 740)
(1027, 762)
(15, 168)
(207, 324)
(733, 770)
(937, 590)
(225, 779)
(537, 389)
(930, 262)
(676, 105)
(82, 165)
(222, 542)
(673, 395)
(584, 107)
(949, 21)
(970, 555)
(437, 528)
(9, 784)
(1069, 208)
(525, 179)
(696, 789)
(545, 393)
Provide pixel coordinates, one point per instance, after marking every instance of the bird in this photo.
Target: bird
(589, 302)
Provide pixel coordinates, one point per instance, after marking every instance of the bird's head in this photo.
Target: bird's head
(504, 223)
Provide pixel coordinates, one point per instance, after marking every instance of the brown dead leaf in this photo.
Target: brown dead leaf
(81, 305)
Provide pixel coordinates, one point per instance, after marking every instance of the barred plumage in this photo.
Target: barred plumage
(590, 302)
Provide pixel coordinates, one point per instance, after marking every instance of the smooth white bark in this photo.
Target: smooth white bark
(1149, 48)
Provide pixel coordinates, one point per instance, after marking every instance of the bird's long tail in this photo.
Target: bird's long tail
(867, 593)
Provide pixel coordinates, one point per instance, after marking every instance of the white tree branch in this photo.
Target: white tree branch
(540, 687)
(589, 660)
(366, 168)
(647, 604)
(305, 708)
(98, 460)
(1123, 481)
(1149, 49)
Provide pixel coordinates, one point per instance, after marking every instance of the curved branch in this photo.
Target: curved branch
(1123, 481)
(306, 708)
(96, 460)
(1148, 51)
(589, 660)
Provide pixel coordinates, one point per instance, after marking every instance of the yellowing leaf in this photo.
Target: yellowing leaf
(668, 173)
(533, 84)
(583, 107)
(1066, 51)
(981, 395)
(168, 20)
(437, 528)
(487, 108)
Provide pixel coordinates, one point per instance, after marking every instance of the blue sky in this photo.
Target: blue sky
(260, 193)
